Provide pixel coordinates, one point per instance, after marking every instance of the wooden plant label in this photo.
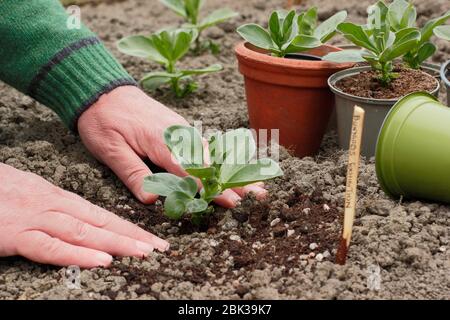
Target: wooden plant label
(352, 183)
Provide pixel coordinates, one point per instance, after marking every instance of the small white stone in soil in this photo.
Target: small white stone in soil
(304, 257)
(326, 254)
(290, 232)
(326, 207)
(306, 210)
(274, 222)
(235, 237)
(442, 249)
(303, 263)
(313, 246)
(126, 207)
(319, 257)
(213, 243)
(311, 255)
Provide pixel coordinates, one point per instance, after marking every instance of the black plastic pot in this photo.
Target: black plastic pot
(445, 74)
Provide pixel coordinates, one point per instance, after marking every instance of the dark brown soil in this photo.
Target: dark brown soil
(366, 84)
(306, 229)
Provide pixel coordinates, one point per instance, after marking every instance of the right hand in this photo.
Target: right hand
(49, 225)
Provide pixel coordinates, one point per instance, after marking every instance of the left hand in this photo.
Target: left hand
(125, 126)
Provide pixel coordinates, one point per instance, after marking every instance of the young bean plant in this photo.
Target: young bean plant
(289, 32)
(380, 44)
(402, 16)
(166, 47)
(190, 11)
(230, 164)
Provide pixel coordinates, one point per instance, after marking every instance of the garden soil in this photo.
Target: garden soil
(281, 249)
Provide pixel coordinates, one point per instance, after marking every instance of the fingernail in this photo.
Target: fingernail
(144, 247)
(162, 245)
(103, 259)
(235, 198)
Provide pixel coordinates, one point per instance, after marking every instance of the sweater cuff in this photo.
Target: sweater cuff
(76, 77)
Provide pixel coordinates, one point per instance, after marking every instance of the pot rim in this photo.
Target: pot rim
(444, 70)
(244, 50)
(355, 70)
(381, 171)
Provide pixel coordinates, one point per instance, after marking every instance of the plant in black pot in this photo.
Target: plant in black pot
(378, 86)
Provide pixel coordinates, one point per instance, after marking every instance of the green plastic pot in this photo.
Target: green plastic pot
(413, 149)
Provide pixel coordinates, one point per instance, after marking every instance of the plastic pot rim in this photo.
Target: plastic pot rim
(355, 70)
(382, 139)
(444, 70)
(253, 54)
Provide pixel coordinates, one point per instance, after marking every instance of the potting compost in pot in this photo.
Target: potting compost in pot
(282, 246)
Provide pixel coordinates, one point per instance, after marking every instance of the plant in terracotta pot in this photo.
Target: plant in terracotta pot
(376, 87)
(286, 79)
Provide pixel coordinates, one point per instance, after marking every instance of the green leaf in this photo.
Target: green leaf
(192, 9)
(275, 29)
(186, 145)
(238, 146)
(345, 56)
(290, 29)
(442, 32)
(176, 5)
(154, 80)
(182, 44)
(425, 52)
(163, 42)
(427, 30)
(161, 184)
(357, 35)
(379, 25)
(307, 22)
(164, 184)
(202, 173)
(176, 204)
(234, 147)
(303, 43)
(232, 176)
(256, 35)
(402, 14)
(210, 69)
(403, 44)
(327, 29)
(140, 46)
(216, 17)
(196, 206)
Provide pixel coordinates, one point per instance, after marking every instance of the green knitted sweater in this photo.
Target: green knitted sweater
(67, 69)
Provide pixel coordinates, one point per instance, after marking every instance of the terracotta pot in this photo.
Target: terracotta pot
(291, 95)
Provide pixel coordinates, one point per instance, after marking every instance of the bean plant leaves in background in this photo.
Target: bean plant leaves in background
(141, 46)
(232, 165)
(190, 11)
(291, 33)
(166, 47)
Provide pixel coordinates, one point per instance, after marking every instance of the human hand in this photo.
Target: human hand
(126, 125)
(49, 225)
